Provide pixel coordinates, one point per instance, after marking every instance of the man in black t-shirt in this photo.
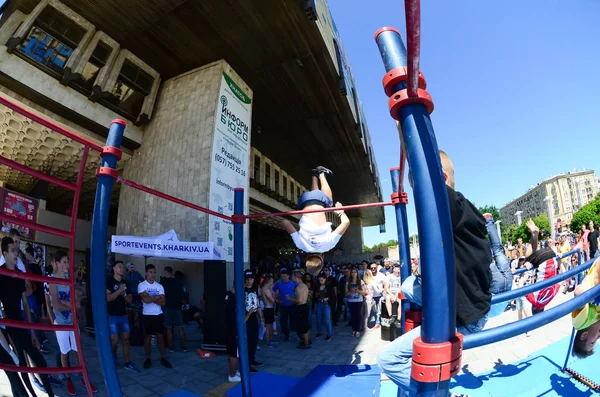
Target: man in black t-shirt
(173, 313)
(117, 297)
(593, 239)
(12, 295)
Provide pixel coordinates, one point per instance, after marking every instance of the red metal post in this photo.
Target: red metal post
(413, 41)
(84, 157)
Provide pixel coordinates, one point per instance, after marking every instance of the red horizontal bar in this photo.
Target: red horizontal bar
(331, 209)
(33, 277)
(36, 326)
(48, 124)
(170, 198)
(39, 370)
(36, 226)
(37, 174)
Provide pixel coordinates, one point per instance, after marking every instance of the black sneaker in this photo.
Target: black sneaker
(165, 363)
(327, 338)
(252, 369)
(257, 364)
(44, 350)
(317, 335)
(147, 363)
(301, 345)
(322, 170)
(286, 338)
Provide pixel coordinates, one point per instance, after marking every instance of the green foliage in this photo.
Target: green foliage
(492, 209)
(377, 247)
(522, 231)
(590, 211)
(508, 234)
(367, 250)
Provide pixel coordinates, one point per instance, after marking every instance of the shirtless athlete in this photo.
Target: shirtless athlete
(301, 309)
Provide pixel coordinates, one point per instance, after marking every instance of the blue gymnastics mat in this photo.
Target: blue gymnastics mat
(339, 380)
(536, 376)
(265, 384)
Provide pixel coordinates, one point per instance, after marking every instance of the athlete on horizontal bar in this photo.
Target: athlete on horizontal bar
(315, 235)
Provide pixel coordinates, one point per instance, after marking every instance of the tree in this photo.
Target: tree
(492, 209)
(367, 250)
(540, 221)
(508, 234)
(590, 211)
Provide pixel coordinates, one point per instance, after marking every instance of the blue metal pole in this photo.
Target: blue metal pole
(571, 342)
(515, 293)
(98, 259)
(240, 305)
(433, 215)
(403, 243)
(519, 327)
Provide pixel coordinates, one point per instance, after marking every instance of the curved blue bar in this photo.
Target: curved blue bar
(240, 305)
(513, 329)
(98, 265)
(403, 242)
(392, 49)
(571, 341)
(515, 293)
(521, 270)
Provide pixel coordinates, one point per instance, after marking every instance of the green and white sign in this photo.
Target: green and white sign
(229, 163)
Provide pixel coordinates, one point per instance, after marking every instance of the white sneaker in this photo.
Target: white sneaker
(234, 379)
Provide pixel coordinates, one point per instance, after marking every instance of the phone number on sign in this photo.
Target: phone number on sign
(229, 164)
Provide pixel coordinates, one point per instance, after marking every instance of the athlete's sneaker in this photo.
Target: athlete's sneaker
(317, 335)
(327, 338)
(234, 379)
(71, 388)
(132, 368)
(44, 350)
(257, 364)
(272, 344)
(257, 347)
(322, 170)
(301, 345)
(252, 369)
(94, 388)
(184, 349)
(487, 215)
(165, 363)
(62, 377)
(37, 384)
(147, 363)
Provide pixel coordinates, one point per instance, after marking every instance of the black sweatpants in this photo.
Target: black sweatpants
(285, 319)
(252, 336)
(22, 342)
(18, 390)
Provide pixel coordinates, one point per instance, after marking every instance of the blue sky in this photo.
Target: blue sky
(515, 84)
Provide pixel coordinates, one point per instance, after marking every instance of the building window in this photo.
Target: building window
(267, 175)
(130, 90)
(85, 82)
(277, 182)
(257, 168)
(285, 187)
(51, 40)
(293, 191)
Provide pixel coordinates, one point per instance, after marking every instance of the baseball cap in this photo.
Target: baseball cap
(284, 271)
(129, 264)
(298, 271)
(248, 274)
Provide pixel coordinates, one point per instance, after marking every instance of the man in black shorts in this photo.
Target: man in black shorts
(301, 309)
(153, 297)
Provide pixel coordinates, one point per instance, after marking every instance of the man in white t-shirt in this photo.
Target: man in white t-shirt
(391, 287)
(378, 280)
(315, 235)
(153, 297)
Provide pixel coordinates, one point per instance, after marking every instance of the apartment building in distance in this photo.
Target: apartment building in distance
(567, 193)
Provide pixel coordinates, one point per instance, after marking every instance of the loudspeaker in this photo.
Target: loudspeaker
(215, 286)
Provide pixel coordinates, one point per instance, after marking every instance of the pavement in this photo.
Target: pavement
(208, 377)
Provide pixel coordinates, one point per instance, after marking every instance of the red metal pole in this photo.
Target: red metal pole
(36, 174)
(331, 209)
(32, 277)
(38, 370)
(36, 326)
(413, 41)
(170, 198)
(36, 226)
(84, 157)
(48, 124)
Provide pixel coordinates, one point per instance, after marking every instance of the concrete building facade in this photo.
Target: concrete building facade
(84, 63)
(566, 193)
